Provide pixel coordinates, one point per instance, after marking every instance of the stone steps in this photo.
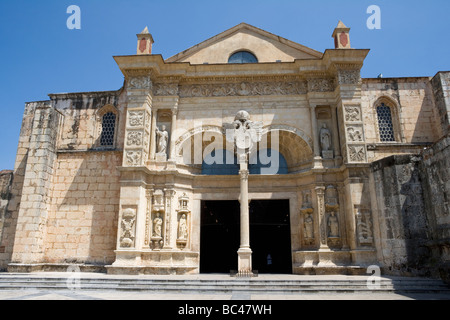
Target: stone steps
(254, 285)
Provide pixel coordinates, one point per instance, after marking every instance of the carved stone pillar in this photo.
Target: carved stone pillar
(153, 136)
(320, 194)
(244, 253)
(172, 134)
(336, 144)
(137, 131)
(315, 132)
(170, 220)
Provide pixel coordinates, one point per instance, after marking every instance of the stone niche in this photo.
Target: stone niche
(183, 222)
(157, 221)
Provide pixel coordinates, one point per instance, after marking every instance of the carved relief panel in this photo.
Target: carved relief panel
(364, 229)
(354, 134)
(128, 228)
(307, 213)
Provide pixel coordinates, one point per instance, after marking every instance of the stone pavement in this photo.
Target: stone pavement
(117, 295)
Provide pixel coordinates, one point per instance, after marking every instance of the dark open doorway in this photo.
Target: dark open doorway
(270, 236)
(219, 236)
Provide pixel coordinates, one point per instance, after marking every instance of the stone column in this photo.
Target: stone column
(320, 194)
(170, 220)
(336, 144)
(172, 156)
(315, 132)
(153, 136)
(244, 253)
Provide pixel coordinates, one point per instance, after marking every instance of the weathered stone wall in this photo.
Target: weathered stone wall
(82, 223)
(413, 213)
(80, 129)
(11, 213)
(413, 113)
(441, 91)
(435, 174)
(6, 178)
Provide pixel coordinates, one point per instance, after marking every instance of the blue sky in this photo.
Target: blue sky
(40, 55)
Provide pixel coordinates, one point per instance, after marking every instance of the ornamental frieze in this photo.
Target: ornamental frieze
(241, 89)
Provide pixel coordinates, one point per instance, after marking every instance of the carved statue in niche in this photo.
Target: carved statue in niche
(325, 138)
(325, 142)
(333, 225)
(306, 199)
(127, 231)
(163, 139)
(183, 228)
(157, 226)
(309, 227)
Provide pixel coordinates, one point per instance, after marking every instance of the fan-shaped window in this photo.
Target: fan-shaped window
(243, 57)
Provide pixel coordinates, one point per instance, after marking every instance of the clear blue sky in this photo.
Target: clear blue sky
(39, 55)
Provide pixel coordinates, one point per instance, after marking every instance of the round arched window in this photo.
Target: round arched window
(243, 57)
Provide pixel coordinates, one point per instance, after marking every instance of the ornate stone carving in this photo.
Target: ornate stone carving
(364, 227)
(306, 199)
(140, 83)
(355, 134)
(357, 153)
(349, 77)
(133, 158)
(157, 226)
(308, 229)
(127, 236)
(320, 191)
(243, 132)
(134, 138)
(163, 140)
(165, 89)
(182, 228)
(325, 142)
(333, 225)
(243, 89)
(183, 221)
(321, 85)
(352, 114)
(331, 198)
(136, 118)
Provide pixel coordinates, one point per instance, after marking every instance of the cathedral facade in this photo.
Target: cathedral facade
(245, 152)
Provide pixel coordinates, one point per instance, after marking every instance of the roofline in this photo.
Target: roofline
(234, 29)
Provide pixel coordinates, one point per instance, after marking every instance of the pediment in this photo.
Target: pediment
(266, 46)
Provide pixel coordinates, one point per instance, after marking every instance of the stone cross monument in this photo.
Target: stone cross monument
(245, 135)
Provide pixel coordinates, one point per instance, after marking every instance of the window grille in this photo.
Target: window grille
(108, 129)
(385, 125)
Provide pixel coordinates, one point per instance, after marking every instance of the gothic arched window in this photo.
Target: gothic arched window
(107, 119)
(243, 57)
(385, 123)
(108, 130)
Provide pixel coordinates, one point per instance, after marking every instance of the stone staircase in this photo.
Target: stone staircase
(220, 284)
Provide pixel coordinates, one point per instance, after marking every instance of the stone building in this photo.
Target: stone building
(245, 152)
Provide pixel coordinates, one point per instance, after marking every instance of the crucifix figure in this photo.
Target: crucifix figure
(245, 134)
